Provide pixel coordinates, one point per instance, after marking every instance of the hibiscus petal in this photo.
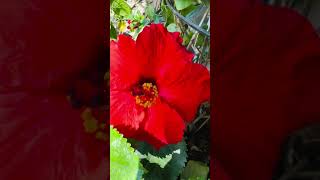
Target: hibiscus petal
(219, 173)
(184, 86)
(156, 46)
(163, 126)
(43, 138)
(125, 115)
(266, 84)
(44, 44)
(125, 66)
(177, 37)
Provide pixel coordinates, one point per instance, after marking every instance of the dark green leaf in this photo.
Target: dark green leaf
(195, 170)
(167, 14)
(113, 32)
(172, 170)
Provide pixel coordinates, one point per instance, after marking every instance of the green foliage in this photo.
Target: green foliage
(206, 2)
(167, 14)
(150, 12)
(173, 28)
(113, 32)
(162, 162)
(124, 163)
(182, 4)
(172, 169)
(121, 8)
(195, 170)
(188, 10)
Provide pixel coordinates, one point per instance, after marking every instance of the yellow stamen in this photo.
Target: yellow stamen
(149, 97)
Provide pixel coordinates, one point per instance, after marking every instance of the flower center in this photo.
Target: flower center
(145, 94)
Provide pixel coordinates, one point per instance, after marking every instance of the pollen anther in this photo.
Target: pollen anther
(149, 96)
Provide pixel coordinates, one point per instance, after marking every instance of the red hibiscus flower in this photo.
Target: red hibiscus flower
(266, 85)
(49, 50)
(154, 86)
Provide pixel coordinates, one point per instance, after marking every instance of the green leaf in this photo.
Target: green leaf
(144, 22)
(172, 169)
(150, 12)
(113, 32)
(121, 8)
(200, 40)
(187, 10)
(124, 163)
(195, 170)
(158, 19)
(206, 2)
(173, 28)
(162, 162)
(186, 38)
(182, 4)
(167, 14)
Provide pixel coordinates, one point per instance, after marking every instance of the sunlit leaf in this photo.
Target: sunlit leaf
(182, 4)
(162, 162)
(124, 163)
(173, 28)
(121, 8)
(150, 12)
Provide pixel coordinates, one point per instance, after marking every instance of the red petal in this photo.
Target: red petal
(177, 37)
(184, 86)
(169, 63)
(43, 137)
(267, 84)
(53, 46)
(125, 66)
(125, 115)
(219, 173)
(157, 46)
(163, 126)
